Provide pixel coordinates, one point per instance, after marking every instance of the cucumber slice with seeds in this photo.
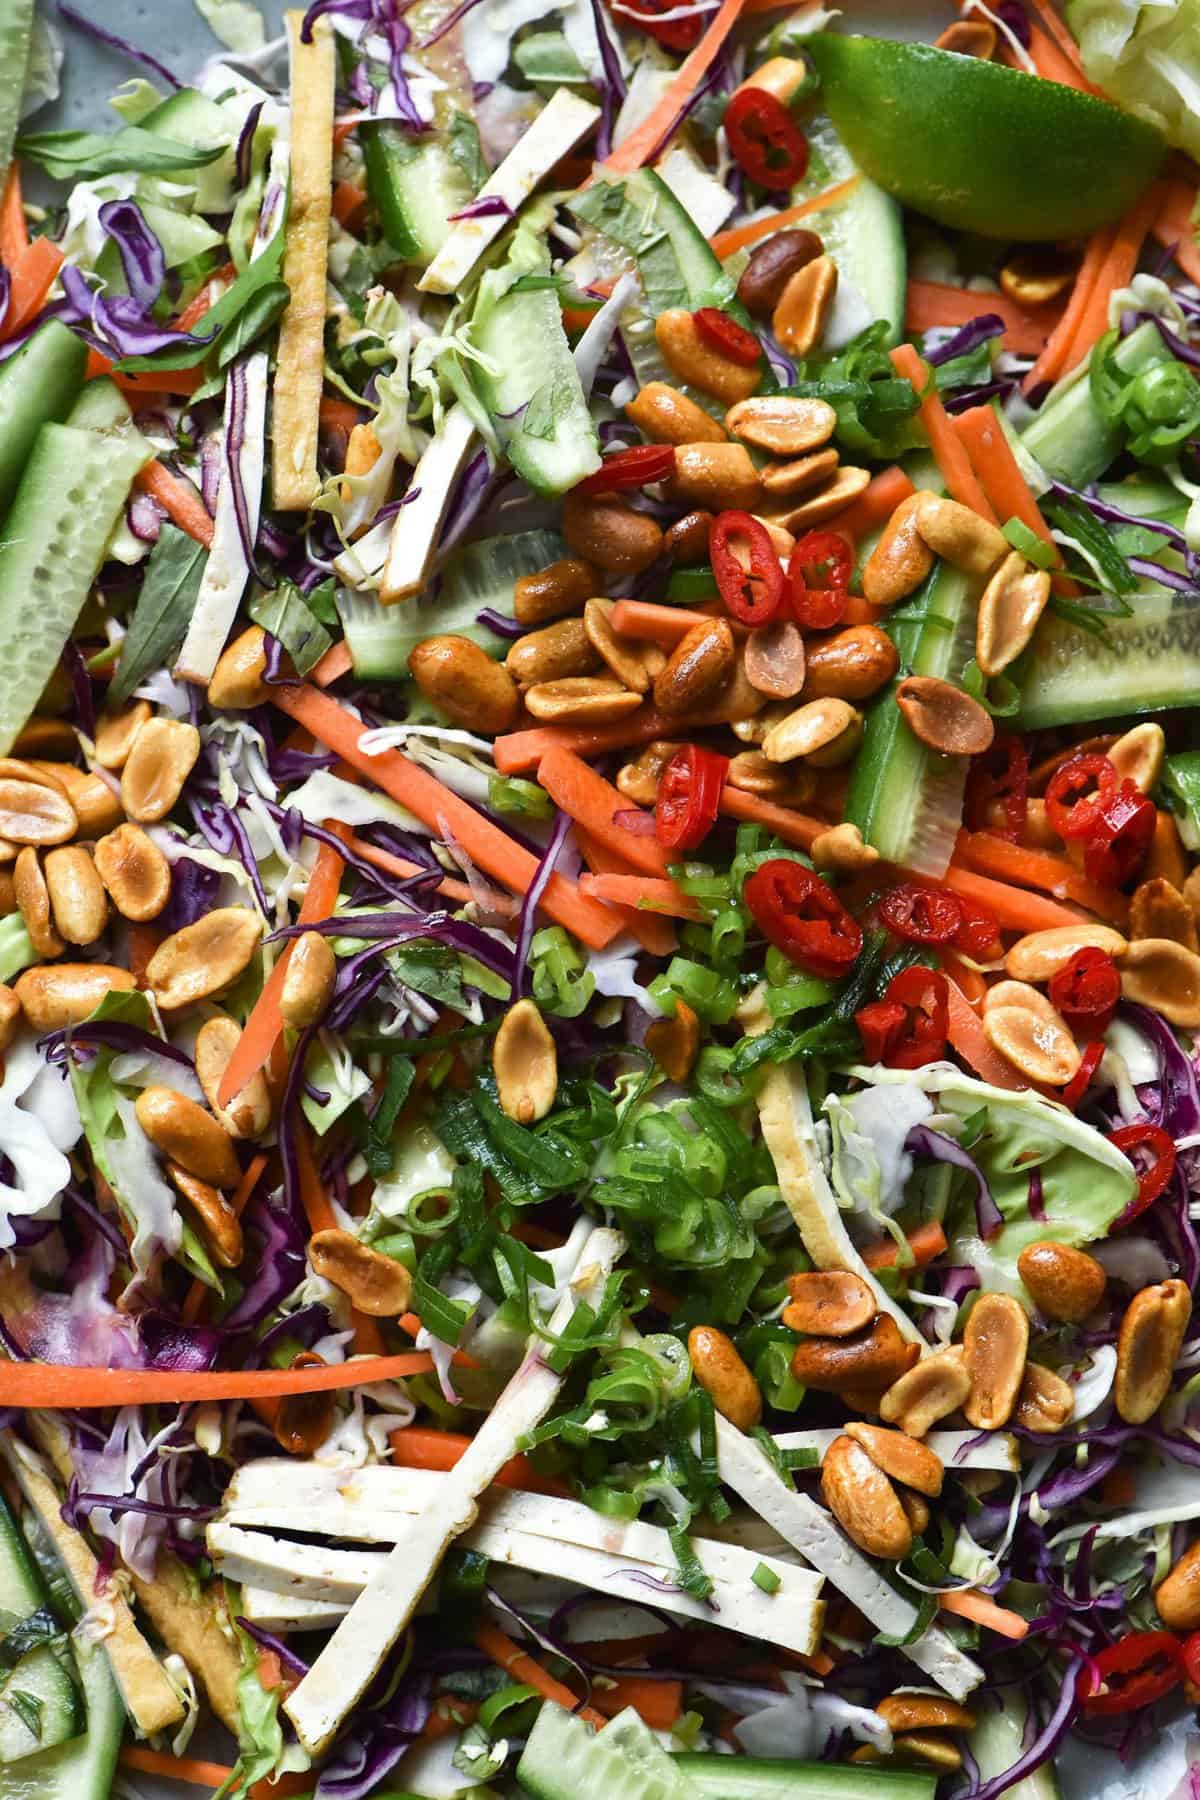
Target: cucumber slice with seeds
(37, 386)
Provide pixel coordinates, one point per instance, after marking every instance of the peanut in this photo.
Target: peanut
(221, 1226)
(906, 1459)
(377, 1285)
(929, 1747)
(665, 416)
(308, 981)
(461, 678)
(561, 587)
(1137, 755)
(803, 308)
(995, 1345)
(842, 850)
(1040, 954)
(97, 808)
(723, 1375)
(32, 812)
(135, 872)
(33, 903)
(1159, 973)
(772, 266)
(716, 476)
(696, 670)
(1178, 1596)
(248, 1113)
(792, 784)
(864, 1502)
(525, 1064)
(1063, 1282)
(960, 536)
(42, 736)
(634, 665)
(76, 894)
(916, 1510)
(686, 541)
(582, 700)
(304, 1421)
(203, 959)
(876, 1357)
(901, 560)
(813, 727)
(774, 659)
(553, 652)
(781, 480)
(8, 899)
(849, 665)
(1148, 1345)
(115, 733)
(695, 361)
(185, 1134)
(781, 424)
(1165, 856)
(1009, 609)
(1038, 273)
(828, 1303)
(639, 780)
(944, 717)
(59, 994)
(1045, 1401)
(610, 534)
(938, 1385)
(236, 684)
(924, 1712)
(1029, 1032)
(825, 503)
(10, 1014)
(1158, 910)
(162, 756)
(674, 1041)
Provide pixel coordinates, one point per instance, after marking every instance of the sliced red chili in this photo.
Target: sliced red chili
(1191, 1657)
(1120, 837)
(818, 575)
(748, 573)
(631, 468)
(676, 34)
(764, 139)
(1077, 791)
(1081, 1081)
(907, 1028)
(1152, 1152)
(1133, 1673)
(802, 916)
(978, 934)
(920, 914)
(727, 337)
(1001, 772)
(689, 797)
(1086, 991)
(881, 1026)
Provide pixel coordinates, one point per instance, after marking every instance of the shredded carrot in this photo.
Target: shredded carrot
(195, 1773)
(209, 292)
(860, 612)
(653, 932)
(269, 1671)
(1050, 63)
(877, 502)
(999, 471)
(930, 304)
(399, 865)
(517, 752)
(1055, 28)
(65, 1384)
(149, 381)
(1012, 908)
(14, 233)
(522, 1667)
(444, 813)
(739, 236)
(645, 140)
(925, 1241)
(1175, 229)
(318, 1209)
(342, 129)
(348, 198)
(966, 1035)
(795, 828)
(988, 854)
(264, 1027)
(337, 661)
(650, 894)
(448, 1716)
(251, 1175)
(594, 803)
(652, 624)
(970, 982)
(967, 1603)
(32, 275)
(179, 500)
(1120, 266)
(658, 1703)
(421, 1447)
(960, 478)
(1053, 360)
(338, 415)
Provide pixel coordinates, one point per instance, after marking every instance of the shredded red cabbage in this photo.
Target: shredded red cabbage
(921, 1141)
(141, 253)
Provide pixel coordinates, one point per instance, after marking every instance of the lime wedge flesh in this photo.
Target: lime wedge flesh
(980, 147)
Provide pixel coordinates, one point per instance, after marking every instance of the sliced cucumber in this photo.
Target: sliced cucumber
(100, 406)
(864, 233)
(45, 1677)
(1068, 438)
(564, 1759)
(415, 184)
(70, 498)
(905, 798)
(1147, 663)
(83, 1769)
(530, 386)
(769, 1778)
(37, 386)
(190, 117)
(998, 1741)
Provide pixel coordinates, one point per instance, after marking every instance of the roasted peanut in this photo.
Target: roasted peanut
(929, 1747)
(715, 476)
(734, 701)
(1137, 755)
(960, 536)
(1040, 954)
(665, 416)
(905, 1459)
(875, 1357)
(781, 480)
(1009, 609)
(461, 678)
(842, 850)
(1148, 1345)
(772, 266)
(1044, 1402)
(32, 812)
(944, 717)
(555, 651)
(634, 665)
(782, 424)
(135, 872)
(936, 1386)
(582, 700)
(674, 1041)
(828, 1303)
(697, 669)
(924, 1712)
(76, 894)
(162, 756)
(376, 1284)
(1038, 274)
(236, 684)
(42, 736)
(720, 1371)
(1158, 910)
(308, 981)
(792, 784)
(611, 535)
(221, 1226)
(689, 355)
(10, 1013)
(1029, 1032)
(363, 451)
(203, 959)
(686, 541)
(97, 808)
(248, 1113)
(525, 1063)
(639, 780)
(782, 541)
(916, 1510)
(774, 659)
(864, 1502)
(995, 1345)
(849, 665)
(304, 1421)
(825, 503)
(33, 903)
(901, 560)
(58, 994)
(810, 728)
(1063, 1282)
(969, 37)
(185, 1134)
(560, 588)
(803, 307)
(1165, 856)
(1159, 973)
(8, 899)
(115, 733)
(1178, 1596)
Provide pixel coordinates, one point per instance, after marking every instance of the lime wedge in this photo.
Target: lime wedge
(980, 147)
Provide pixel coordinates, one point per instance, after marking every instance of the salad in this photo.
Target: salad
(599, 960)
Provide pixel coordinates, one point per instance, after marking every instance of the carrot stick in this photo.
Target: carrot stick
(206, 297)
(348, 198)
(966, 1035)
(953, 461)
(399, 865)
(178, 499)
(793, 827)
(925, 1241)
(1118, 271)
(593, 802)
(659, 1703)
(196, 1773)
(644, 142)
(999, 471)
(987, 854)
(338, 415)
(653, 932)
(877, 502)
(737, 237)
(966, 1603)
(421, 1447)
(521, 1666)
(652, 624)
(14, 233)
(65, 1384)
(445, 813)
(1012, 908)
(633, 891)
(517, 752)
(336, 661)
(32, 276)
(1175, 229)
(313, 1198)
(1052, 65)
(1056, 29)
(264, 1027)
(929, 304)
(1053, 360)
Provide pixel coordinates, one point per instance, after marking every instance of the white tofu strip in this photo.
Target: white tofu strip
(284, 1612)
(554, 134)
(348, 1663)
(415, 528)
(957, 1449)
